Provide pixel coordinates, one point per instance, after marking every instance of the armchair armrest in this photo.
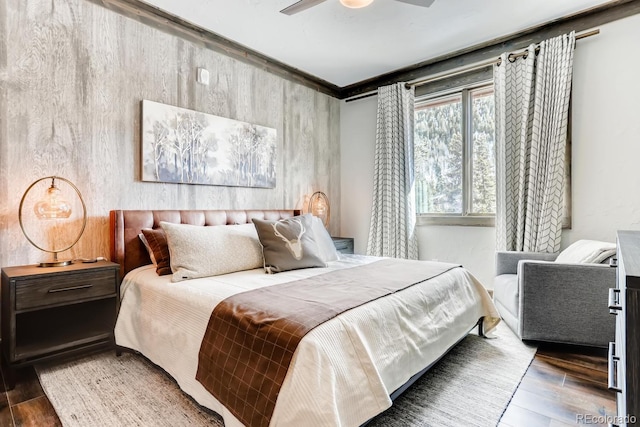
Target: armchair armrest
(507, 261)
(565, 302)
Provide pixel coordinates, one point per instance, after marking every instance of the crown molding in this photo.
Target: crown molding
(169, 23)
(164, 21)
(578, 22)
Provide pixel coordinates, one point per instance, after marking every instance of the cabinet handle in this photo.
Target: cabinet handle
(612, 365)
(614, 300)
(70, 288)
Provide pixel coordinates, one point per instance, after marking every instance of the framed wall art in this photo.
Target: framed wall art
(189, 147)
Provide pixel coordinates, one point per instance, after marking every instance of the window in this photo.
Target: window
(454, 157)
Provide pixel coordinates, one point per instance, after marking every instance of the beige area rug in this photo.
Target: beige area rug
(470, 386)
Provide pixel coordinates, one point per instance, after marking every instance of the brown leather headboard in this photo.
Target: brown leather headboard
(127, 249)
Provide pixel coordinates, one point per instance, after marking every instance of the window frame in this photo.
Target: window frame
(466, 218)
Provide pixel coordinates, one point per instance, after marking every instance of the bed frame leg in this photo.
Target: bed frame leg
(481, 326)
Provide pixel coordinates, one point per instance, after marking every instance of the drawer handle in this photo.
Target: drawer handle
(614, 301)
(613, 262)
(612, 365)
(70, 288)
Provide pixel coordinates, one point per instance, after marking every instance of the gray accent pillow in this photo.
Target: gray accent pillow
(327, 248)
(289, 244)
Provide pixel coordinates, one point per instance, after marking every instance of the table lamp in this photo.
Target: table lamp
(52, 206)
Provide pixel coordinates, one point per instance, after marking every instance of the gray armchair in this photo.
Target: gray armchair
(547, 301)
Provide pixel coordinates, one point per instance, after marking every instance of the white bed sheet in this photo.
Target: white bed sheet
(342, 372)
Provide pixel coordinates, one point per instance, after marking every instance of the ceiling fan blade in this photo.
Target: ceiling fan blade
(301, 5)
(423, 3)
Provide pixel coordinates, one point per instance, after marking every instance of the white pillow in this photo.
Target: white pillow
(589, 251)
(198, 251)
(327, 249)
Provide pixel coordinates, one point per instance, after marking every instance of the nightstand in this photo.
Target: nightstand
(51, 312)
(344, 245)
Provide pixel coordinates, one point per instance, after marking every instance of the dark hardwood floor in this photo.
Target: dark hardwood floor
(562, 385)
(26, 404)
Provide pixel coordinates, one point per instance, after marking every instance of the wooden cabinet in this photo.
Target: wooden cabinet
(624, 353)
(50, 312)
(344, 245)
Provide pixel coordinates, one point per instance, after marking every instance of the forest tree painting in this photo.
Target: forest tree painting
(186, 146)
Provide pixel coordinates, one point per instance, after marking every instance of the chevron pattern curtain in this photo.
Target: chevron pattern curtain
(393, 215)
(532, 110)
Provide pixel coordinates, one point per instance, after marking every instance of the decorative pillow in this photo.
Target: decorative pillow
(589, 251)
(156, 242)
(327, 249)
(289, 244)
(198, 251)
(148, 248)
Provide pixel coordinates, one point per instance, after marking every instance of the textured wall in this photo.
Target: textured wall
(72, 77)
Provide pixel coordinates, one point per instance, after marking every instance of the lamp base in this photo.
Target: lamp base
(56, 263)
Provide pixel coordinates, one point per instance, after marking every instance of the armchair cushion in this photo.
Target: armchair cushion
(505, 296)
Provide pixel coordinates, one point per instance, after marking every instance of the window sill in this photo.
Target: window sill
(459, 220)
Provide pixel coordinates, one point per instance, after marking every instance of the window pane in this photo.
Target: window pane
(483, 192)
(438, 156)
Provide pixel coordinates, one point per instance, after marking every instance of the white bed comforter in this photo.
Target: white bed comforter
(342, 372)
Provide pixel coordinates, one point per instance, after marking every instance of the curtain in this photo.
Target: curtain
(532, 110)
(392, 231)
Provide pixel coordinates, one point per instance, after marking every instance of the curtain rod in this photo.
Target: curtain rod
(465, 69)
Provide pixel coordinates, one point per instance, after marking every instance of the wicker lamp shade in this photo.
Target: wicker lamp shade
(319, 206)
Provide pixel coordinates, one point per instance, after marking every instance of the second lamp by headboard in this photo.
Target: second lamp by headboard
(319, 206)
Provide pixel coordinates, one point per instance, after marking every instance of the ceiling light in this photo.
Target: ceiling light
(356, 4)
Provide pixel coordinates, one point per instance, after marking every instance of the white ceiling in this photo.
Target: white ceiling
(345, 46)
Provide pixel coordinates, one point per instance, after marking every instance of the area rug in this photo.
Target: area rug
(470, 386)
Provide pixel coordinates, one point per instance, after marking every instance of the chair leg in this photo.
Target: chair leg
(481, 326)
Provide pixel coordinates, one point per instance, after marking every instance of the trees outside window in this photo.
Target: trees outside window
(454, 153)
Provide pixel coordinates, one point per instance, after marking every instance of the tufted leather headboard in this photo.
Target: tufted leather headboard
(125, 225)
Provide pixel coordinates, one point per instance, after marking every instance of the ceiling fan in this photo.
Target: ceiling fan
(301, 5)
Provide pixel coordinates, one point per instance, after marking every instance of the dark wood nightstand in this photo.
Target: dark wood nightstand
(344, 245)
(51, 312)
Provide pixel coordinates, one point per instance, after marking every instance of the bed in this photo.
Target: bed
(343, 372)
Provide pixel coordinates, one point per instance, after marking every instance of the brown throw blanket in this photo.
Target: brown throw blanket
(251, 336)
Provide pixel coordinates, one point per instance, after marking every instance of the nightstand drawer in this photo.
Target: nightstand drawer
(43, 291)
